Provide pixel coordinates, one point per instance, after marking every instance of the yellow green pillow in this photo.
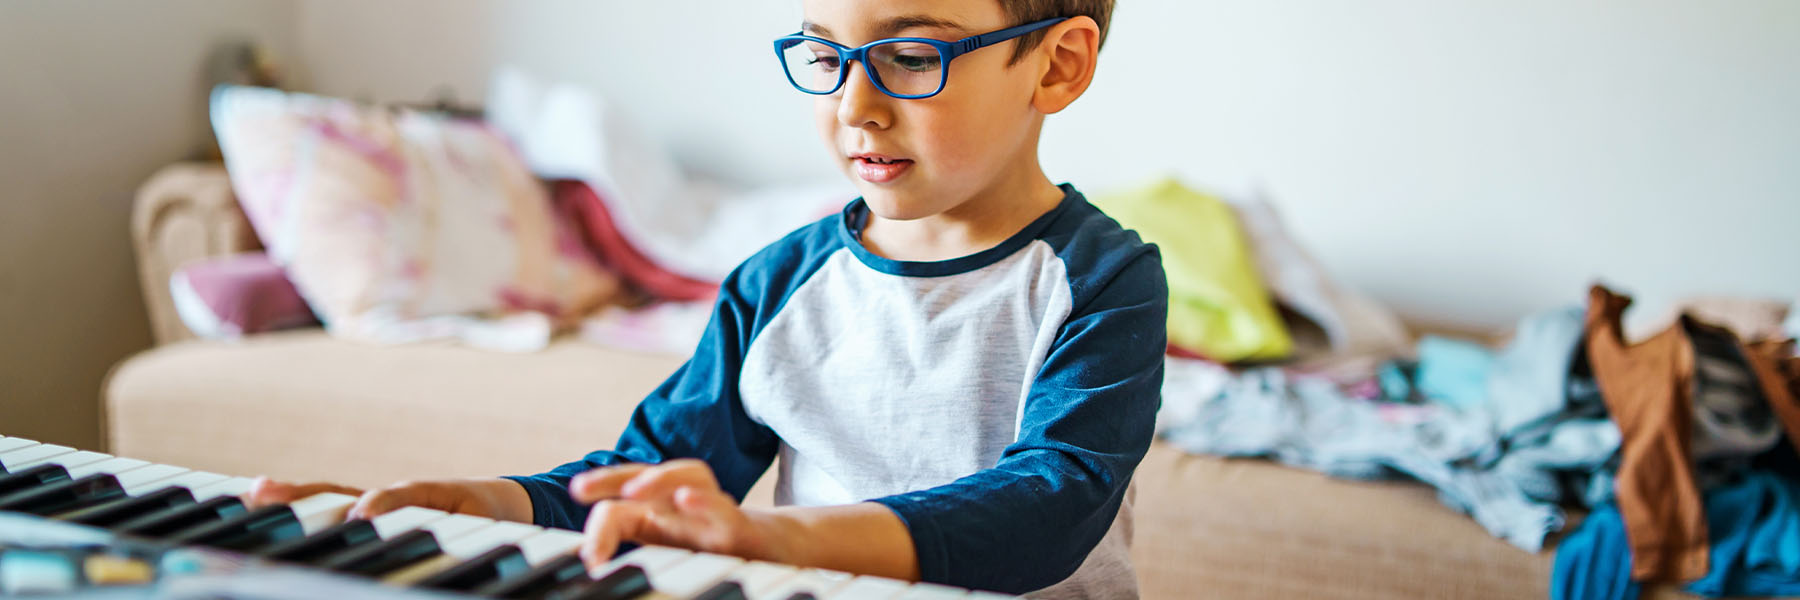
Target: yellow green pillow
(1218, 307)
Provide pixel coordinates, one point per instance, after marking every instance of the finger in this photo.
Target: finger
(706, 518)
(660, 482)
(611, 522)
(375, 503)
(265, 491)
(603, 483)
(702, 501)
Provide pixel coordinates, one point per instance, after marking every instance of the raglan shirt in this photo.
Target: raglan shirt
(997, 403)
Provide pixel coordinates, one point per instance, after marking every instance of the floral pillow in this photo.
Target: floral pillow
(389, 220)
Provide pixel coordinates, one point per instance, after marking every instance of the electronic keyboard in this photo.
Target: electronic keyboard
(74, 520)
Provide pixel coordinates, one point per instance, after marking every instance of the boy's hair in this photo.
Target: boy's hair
(1032, 11)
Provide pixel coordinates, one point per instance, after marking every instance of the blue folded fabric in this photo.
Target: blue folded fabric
(1753, 525)
(1594, 563)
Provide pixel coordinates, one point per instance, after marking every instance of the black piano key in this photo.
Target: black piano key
(625, 583)
(385, 557)
(167, 522)
(313, 548)
(118, 511)
(539, 581)
(724, 590)
(255, 529)
(492, 566)
(64, 496)
(33, 477)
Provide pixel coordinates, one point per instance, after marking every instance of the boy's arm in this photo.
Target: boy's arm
(694, 414)
(1029, 521)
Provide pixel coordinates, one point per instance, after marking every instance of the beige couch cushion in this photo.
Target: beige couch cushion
(303, 406)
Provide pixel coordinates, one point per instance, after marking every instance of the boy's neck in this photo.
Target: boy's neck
(985, 220)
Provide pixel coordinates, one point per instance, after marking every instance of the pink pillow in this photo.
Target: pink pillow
(228, 297)
(389, 221)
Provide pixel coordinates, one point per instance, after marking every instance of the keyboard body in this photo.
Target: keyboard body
(75, 523)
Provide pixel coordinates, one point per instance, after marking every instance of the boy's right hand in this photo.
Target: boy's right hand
(491, 498)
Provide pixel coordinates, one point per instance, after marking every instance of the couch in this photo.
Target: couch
(302, 405)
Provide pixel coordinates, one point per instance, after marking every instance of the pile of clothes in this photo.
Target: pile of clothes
(1679, 444)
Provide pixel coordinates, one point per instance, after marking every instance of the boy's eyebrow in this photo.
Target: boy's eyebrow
(894, 25)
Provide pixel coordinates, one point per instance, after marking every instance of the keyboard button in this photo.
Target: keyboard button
(540, 580)
(493, 566)
(118, 511)
(31, 478)
(168, 522)
(64, 496)
(334, 539)
(386, 557)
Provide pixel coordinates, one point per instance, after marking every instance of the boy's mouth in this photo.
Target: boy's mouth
(877, 168)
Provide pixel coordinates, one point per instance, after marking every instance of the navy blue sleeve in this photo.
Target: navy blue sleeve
(696, 413)
(1029, 521)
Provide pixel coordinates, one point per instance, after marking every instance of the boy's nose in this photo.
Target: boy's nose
(860, 104)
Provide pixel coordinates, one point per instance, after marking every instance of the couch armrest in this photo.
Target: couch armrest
(185, 212)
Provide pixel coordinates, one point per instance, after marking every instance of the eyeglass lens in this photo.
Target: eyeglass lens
(904, 68)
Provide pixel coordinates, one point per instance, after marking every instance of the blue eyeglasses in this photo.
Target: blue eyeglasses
(906, 68)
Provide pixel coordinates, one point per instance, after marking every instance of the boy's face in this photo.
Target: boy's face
(975, 134)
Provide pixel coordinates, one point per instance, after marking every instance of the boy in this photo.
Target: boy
(959, 372)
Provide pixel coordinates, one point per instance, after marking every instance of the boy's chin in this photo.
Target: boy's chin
(897, 206)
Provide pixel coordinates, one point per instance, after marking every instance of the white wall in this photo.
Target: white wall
(94, 96)
(1465, 161)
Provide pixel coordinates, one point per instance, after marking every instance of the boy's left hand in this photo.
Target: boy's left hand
(676, 503)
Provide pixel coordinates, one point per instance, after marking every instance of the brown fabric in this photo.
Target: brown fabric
(1778, 375)
(1648, 389)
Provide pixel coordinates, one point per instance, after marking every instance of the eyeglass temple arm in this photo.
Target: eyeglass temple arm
(970, 44)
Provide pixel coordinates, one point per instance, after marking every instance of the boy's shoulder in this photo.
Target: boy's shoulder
(1096, 250)
(790, 260)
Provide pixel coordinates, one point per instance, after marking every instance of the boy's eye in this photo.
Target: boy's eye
(916, 62)
(824, 62)
(906, 56)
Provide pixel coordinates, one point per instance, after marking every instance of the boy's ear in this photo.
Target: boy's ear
(1071, 49)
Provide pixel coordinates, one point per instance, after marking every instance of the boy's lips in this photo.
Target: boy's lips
(879, 168)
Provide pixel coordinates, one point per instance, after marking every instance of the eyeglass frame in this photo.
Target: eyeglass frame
(947, 52)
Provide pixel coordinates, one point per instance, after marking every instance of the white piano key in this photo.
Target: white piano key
(488, 538)
(648, 558)
(68, 461)
(453, 526)
(932, 591)
(870, 588)
(759, 579)
(319, 511)
(549, 544)
(28, 454)
(687, 578)
(113, 466)
(818, 582)
(149, 478)
(404, 519)
(14, 443)
(234, 486)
